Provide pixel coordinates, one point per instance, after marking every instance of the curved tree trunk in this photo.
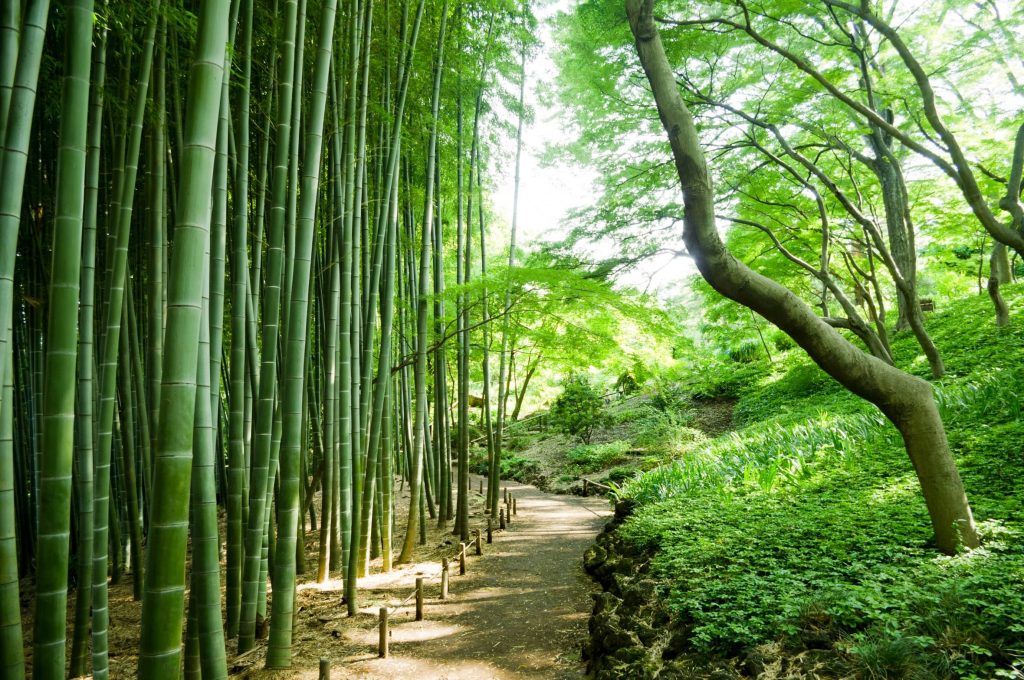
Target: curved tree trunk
(905, 399)
(999, 273)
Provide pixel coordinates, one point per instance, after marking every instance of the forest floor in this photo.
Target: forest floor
(519, 612)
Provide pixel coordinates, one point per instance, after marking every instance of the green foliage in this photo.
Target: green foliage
(513, 466)
(621, 473)
(782, 342)
(626, 384)
(785, 396)
(665, 431)
(745, 352)
(668, 396)
(577, 410)
(725, 380)
(519, 468)
(594, 457)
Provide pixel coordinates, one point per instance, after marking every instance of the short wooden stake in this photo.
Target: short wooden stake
(586, 487)
(444, 578)
(481, 487)
(501, 519)
(506, 494)
(419, 598)
(515, 511)
(479, 544)
(508, 511)
(462, 559)
(490, 530)
(325, 669)
(382, 645)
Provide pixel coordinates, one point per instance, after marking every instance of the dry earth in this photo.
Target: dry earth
(520, 611)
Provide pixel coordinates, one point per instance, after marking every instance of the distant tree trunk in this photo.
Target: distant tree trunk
(420, 429)
(531, 368)
(504, 356)
(999, 273)
(906, 400)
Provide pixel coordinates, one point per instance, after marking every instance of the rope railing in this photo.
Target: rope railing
(587, 483)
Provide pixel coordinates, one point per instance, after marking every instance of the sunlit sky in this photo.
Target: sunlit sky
(548, 193)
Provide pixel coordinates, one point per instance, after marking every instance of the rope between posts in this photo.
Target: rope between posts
(593, 483)
(452, 558)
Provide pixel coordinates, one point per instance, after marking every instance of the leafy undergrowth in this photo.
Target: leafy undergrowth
(807, 529)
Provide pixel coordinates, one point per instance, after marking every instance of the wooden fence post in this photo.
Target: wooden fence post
(325, 669)
(515, 510)
(382, 645)
(479, 545)
(490, 530)
(501, 518)
(444, 578)
(586, 488)
(462, 559)
(419, 598)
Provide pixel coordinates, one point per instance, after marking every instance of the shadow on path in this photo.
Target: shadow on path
(519, 612)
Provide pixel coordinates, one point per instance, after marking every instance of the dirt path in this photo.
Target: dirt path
(519, 612)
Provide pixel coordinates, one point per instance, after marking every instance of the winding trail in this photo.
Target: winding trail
(519, 612)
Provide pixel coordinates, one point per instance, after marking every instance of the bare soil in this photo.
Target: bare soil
(713, 416)
(519, 612)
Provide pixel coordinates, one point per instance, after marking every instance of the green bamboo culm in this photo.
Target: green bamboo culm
(260, 473)
(12, 654)
(163, 600)
(205, 573)
(293, 379)
(506, 355)
(237, 366)
(84, 407)
(17, 131)
(54, 537)
(115, 285)
(10, 26)
(420, 378)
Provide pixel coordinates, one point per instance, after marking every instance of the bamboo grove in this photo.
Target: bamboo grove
(240, 245)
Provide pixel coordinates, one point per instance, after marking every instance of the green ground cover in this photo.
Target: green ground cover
(806, 525)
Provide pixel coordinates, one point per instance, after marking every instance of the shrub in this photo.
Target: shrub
(594, 457)
(519, 468)
(782, 342)
(621, 473)
(666, 431)
(626, 384)
(668, 396)
(746, 352)
(577, 410)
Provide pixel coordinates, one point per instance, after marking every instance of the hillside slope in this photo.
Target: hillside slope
(799, 545)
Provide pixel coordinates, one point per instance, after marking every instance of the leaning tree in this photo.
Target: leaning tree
(906, 400)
